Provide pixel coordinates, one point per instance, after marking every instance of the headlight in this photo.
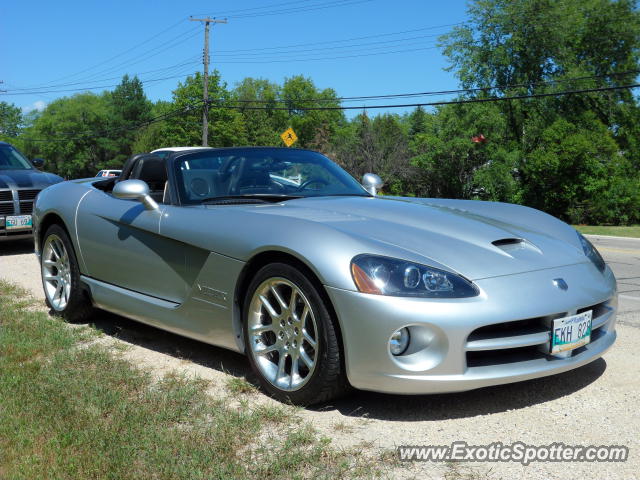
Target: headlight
(591, 252)
(399, 278)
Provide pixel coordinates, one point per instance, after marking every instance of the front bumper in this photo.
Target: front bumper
(452, 348)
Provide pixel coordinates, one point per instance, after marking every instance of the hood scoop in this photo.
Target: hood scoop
(512, 246)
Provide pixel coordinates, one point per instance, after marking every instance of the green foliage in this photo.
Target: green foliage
(313, 127)
(10, 121)
(129, 108)
(76, 150)
(88, 132)
(574, 156)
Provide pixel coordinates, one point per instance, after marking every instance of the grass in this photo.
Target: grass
(75, 413)
(238, 386)
(627, 231)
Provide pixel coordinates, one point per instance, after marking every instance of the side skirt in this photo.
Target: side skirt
(159, 313)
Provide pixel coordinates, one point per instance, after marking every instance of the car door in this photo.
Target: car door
(120, 244)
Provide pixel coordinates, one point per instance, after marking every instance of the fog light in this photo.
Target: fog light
(399, 341)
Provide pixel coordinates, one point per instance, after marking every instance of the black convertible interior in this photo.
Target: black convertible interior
(242, 173)
(149, 168)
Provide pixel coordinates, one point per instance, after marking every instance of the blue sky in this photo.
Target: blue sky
(357, 47)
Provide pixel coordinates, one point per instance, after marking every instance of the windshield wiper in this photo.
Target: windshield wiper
(250, 198)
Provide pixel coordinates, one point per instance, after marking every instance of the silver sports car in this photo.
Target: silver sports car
(282, 255)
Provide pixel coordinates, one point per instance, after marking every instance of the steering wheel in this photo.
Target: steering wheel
(311, 181)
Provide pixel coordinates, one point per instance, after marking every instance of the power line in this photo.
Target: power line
(450, 102)
(326, 42)
(308, 59)
(341, 47)
(446, 92)
(193, 106)
(119, 54)
(67, 136)
(154, 52)
(144, 81)
(171, 67)
(233, 12)
(294, 9)
(146, 55)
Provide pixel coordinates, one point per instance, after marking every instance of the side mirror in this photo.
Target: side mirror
(37, 162)
(135, 190)
(372, 183)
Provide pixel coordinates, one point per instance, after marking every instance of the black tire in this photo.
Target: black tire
(327, 380)
(79, 307)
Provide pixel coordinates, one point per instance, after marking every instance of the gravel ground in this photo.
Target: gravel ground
(594, 405)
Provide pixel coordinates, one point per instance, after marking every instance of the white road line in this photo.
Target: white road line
(611, 237)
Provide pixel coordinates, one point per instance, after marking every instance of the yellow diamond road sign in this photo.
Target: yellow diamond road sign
(289, 137)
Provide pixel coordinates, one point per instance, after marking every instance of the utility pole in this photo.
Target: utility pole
(205, 60)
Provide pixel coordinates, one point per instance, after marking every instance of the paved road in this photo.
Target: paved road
(623, 255)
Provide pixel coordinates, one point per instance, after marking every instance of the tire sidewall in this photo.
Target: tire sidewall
(77, 302)
(308, 393)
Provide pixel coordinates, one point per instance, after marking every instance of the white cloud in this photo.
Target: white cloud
(38, 105)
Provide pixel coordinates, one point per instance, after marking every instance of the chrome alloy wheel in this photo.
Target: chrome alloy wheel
(282, 334)
(56, 272)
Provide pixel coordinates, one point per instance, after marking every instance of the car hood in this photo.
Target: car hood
(27, 179)
(501, 240)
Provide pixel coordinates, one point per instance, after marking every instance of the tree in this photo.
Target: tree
(10, 121)
(377, 145)
(417, 122)
(77, 130)
(299, 92)
(264, 124)
(180, 122)
(130, 109)
(447, 154)
(570, 166)
(555, 151)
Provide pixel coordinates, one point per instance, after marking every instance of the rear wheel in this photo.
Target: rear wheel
(61, 277)
(290, 337)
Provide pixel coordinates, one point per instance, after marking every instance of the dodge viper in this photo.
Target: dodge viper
(322, 283)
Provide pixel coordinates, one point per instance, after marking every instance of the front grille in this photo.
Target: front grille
(6, 208)
(524, 340)
(26, 208)
(27, 194)
(503, 357)
(6, 196)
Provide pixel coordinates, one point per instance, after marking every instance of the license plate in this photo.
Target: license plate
(19, 222)
(571, 332)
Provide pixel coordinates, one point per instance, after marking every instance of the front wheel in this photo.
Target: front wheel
(290, 337)
(61, 277)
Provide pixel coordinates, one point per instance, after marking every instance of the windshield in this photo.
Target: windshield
(265, 172)
(12, 159)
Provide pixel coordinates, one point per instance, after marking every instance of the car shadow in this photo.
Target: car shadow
(362, 404)
(488, 400)
(139, 334)
(16, 247)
